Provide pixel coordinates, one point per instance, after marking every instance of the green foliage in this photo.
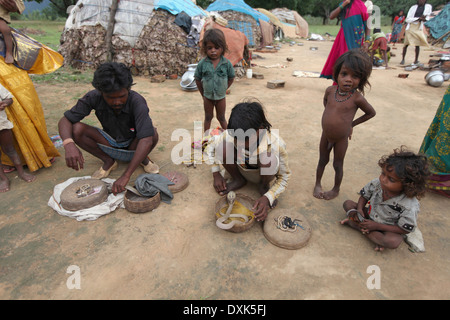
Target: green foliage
(323, 8)
(316, 8)
(392, 7)
(64, 75)
(58, 7)
(48, 33)
(204, 3)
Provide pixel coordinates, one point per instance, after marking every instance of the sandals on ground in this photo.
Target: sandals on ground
(102, 173)
(150, 167)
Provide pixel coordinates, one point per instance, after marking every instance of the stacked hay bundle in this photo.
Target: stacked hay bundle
(161, 48)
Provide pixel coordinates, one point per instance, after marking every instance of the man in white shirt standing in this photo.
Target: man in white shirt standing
(414, 35)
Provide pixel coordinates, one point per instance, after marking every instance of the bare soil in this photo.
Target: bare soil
(177, 252)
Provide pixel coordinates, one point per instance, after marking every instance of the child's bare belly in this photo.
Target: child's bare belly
(336, 127)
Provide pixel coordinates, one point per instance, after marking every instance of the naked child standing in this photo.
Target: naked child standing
(341, 102)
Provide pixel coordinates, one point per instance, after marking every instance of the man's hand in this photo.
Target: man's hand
(261, 208)
(119, 185)
(74, 157)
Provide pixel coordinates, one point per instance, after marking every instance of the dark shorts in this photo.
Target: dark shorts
(116, 150)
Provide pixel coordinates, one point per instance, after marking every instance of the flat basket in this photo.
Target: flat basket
(180, 179)
(95, 193)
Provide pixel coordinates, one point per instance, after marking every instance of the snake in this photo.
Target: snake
(231, 197)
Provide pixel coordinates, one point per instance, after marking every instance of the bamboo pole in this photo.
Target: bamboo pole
(109, 31)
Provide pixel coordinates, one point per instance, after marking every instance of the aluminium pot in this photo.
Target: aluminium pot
(435, 78)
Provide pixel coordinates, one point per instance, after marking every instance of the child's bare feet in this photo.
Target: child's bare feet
(379, 248)
(345, 221)
(333, 193)
(318, 193)
(9, 58)
(4, 185)
(27, 177)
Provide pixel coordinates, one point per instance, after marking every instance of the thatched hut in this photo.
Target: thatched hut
(150, 37)
(242, 17)
(293, 23)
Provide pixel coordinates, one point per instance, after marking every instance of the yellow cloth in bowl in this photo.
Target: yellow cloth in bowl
(238, 208)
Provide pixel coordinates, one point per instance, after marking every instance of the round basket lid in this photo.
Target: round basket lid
(83, 194)
(287, 229)
(180, 179)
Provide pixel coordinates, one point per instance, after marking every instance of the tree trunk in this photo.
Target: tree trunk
(326, 17)
(109, 31)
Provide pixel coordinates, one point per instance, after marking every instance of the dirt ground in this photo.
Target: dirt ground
(177, 252)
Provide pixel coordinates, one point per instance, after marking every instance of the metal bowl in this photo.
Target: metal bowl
(188, 80)
(435, 78)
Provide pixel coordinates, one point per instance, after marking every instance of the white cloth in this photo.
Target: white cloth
(412, 11)
(415, 240)
(4, 122)
(109, 205)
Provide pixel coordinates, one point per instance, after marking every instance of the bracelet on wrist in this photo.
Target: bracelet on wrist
(67, 141)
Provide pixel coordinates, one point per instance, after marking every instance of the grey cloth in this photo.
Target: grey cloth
(149, 184)
(399, 210)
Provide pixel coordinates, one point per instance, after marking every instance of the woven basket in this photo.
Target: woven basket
(245, 201)
(137, 204)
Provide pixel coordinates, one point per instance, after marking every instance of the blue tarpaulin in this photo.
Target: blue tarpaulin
(244, 27)
(440, 24)
(237, 5)
(177, 6)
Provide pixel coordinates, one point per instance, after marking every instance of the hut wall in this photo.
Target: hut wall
(160, 49)
(238, 16)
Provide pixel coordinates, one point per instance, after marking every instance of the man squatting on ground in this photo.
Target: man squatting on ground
(128, 133)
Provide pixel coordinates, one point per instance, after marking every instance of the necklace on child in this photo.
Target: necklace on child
(343, 94)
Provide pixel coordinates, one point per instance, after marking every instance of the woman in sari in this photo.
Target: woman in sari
(436, 146)
(32, 142)
(352, 34)
(397, 27)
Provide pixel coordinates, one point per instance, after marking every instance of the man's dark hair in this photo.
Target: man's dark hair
(111, 77)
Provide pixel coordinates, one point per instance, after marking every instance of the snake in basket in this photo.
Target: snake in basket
(231, 197)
